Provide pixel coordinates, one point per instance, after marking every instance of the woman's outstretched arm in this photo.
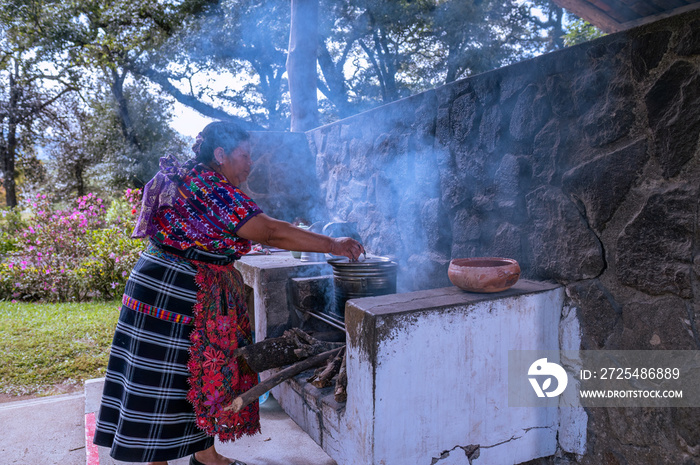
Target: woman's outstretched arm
(275, 233)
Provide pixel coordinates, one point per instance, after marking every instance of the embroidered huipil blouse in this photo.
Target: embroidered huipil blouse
(206, 213)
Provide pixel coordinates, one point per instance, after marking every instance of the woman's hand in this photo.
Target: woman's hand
(347, 247)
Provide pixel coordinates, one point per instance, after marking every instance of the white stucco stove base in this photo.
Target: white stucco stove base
(427, 377)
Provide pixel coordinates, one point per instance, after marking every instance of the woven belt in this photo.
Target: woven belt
(159, 313)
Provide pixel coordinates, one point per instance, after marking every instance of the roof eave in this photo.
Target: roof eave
(606, 23)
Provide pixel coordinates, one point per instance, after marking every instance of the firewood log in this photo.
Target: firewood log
(324, 375)
(256, 391)
(293, 346)
(341, 382)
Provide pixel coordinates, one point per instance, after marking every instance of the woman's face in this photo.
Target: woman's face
(236, 165)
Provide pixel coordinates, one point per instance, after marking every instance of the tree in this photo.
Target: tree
(172, 43)
(580, 31)
(370, 52)
(13, 114)
(481, 35)
(112, 160)
(245, 43)
(301, 64)
(30, 86)
(378, 51)
(107, 37)
(126, 130)
(553, 25)
(68, 149)
(116, 44)
(88, 151)
(367, 47)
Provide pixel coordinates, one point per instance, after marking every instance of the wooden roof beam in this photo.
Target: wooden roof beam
(590, 13)
(604, 22)
(665, 14)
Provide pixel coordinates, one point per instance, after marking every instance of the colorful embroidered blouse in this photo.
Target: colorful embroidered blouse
(206, 213)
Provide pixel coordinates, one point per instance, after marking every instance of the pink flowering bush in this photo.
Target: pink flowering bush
(74, 254)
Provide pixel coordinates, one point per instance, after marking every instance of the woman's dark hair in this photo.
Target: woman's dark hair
(222, 134)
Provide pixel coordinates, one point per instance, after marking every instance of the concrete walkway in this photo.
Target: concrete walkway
(43, 431)
(52, 431)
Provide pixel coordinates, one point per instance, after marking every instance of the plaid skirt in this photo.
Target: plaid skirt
(145, 415)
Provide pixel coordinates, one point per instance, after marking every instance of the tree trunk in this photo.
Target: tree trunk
(337, 91)
(9, 173)
(80, 178)
(127, 125)
(11, 148)
(301, 65)
(387, 65)
(451, 65)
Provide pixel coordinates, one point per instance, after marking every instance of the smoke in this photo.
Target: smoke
(379, 170)
(382, 170)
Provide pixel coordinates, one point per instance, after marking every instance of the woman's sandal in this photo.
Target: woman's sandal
(194, 461)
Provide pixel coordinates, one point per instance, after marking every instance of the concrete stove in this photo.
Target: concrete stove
(427, 372)
(267, 278)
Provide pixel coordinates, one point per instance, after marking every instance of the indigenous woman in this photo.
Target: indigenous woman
(170, 372)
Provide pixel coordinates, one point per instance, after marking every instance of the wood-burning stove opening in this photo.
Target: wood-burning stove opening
(313, 302)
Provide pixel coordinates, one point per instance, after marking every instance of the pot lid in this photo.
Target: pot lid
(366, 263)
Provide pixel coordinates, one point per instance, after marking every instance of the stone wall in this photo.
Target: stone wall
(584, 166)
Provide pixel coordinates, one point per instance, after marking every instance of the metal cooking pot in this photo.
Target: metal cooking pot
(371, 277)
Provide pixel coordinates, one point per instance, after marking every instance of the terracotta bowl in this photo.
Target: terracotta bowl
(483, 274)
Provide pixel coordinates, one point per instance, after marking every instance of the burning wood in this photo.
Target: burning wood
(256, 391)
(323, 376)
(341, 382)
(294, 345)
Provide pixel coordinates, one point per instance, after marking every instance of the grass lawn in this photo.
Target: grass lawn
(43, 346)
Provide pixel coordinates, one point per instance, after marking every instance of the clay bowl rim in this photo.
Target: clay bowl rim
(483, 262)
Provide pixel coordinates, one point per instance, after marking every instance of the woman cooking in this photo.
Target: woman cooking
(183, 310)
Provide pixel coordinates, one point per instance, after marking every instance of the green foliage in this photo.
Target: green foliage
(122, 211)
(122, 165)
(70, 255)
(374, 52)
(10, 223)
(580, 31)
(112, 255)
(90, 153)
(42, 345)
